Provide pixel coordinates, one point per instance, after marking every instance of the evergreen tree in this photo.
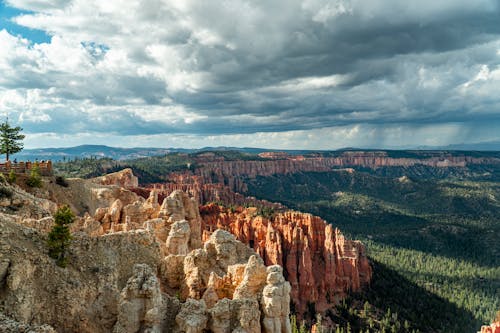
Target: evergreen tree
(303, 328)
(10, 139)
(59, 237)
(293, 324)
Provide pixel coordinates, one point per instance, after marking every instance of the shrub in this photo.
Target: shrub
(59, 237)
(35, 179)
(61, 181)
(12, 177)
(5, 192)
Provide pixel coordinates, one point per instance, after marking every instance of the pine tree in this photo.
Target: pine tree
(319, 325)
(59, 237)
(10, 139)
(293, 324)
(406, 325)
(303, 328)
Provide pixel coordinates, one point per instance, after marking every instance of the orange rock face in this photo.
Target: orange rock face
(321, 265)
(493, 328)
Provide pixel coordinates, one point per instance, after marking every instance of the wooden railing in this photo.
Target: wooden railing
(25, 167)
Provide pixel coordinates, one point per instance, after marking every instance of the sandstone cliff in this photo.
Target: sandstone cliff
(138, 266)
(320, 264)
(80, 298)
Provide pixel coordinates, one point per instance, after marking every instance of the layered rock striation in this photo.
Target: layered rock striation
(321, 265)
(216, 179)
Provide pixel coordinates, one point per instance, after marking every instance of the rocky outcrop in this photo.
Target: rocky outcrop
(8, 325)
(124, 178)
(86, 195)
(221, 255)
(178, 208)
(22, 205)
(193, 317)
(83, 297)
(142, 307)
(111, 284)
(178, 238)
(321, 265)
(229, 278)
(276, 301)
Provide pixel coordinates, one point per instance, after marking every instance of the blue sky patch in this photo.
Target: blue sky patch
(6, 22)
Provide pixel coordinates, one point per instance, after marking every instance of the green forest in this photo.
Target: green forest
(154, 169)
(434, 243)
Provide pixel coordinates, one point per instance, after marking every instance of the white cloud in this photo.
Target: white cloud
(231, 67)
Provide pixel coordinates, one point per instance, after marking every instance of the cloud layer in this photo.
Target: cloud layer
(280, 73)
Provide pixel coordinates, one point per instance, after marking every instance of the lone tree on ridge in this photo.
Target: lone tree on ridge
(10, 139)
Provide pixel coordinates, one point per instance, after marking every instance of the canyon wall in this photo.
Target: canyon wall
(220, 171)
(216, 179)
(321, 265)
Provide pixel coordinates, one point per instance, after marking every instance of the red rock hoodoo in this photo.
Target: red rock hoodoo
(321, 265)
(493, 328)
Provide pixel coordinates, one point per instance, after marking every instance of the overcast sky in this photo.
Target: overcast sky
(311, 74)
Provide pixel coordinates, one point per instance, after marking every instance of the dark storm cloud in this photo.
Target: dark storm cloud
(244, 67)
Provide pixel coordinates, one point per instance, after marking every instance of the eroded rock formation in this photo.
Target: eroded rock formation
(321, 265)
(137, 266)
(142, 307)
(124, 178)
(276, 301)
(80, 298)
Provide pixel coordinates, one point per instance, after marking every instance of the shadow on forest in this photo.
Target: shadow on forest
(423, 309)
(454, 241)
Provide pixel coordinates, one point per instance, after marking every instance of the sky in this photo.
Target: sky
(287, 74)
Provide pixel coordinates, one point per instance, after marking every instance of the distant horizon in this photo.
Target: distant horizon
(417, 147)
